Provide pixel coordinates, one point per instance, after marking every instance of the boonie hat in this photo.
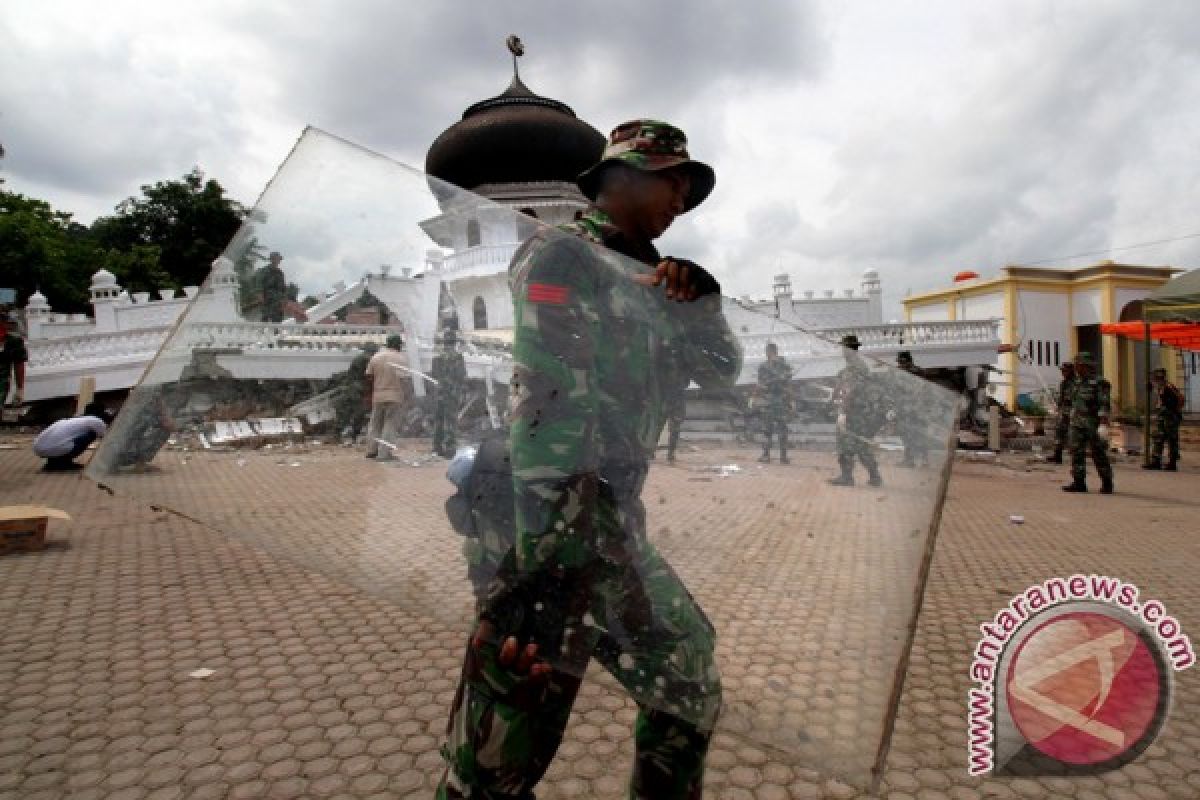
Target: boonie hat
(650, 145)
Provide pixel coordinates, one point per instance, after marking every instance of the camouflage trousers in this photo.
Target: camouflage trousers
(4, 385)
(1084, 439)
(851, 445)
(775, 423)
(1062, 431)
(674, 427)
(916, 443)
(1165, 433)
(445, 435)
(502, 735)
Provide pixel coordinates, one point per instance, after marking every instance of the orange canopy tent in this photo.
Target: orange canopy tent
(1184, 335)
(1170, 316)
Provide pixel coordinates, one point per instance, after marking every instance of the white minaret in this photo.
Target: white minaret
(783, 294)
(37, 311)
(874, 292)
(105, 293)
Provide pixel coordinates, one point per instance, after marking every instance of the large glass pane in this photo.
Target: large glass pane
(694, 572)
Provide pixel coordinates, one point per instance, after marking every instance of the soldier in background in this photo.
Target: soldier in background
(774, 390)
(13, 356)
(860, 416)
(1168, 413)
(353, 403)
(910, 422)
(450, 372)
(274, 289)
(675, 407)
(389, 386)
(1063, 426)
(1090, 408)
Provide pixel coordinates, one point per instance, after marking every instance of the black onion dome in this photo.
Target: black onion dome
(515, 137)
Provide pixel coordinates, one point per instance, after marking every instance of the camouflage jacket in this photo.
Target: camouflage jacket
(449, 369)
(858, 396)
(1090, 402)
(1168, 403)
(1064, 395)
(591, 377)
(775, 385)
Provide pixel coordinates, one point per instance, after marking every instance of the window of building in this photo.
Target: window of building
(1057, 357)
(480, 309)
(529, 212)
(473, 238)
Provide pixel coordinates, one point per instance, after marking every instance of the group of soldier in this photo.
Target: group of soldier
(1084, 406)
(864, 403)
(377, 392)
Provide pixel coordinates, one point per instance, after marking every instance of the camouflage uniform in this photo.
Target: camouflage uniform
(675, 409)
(1168, 413)
(12, 353)
(350, 405)
(910, 422)
(1062, 427)
(775, 385)
(274, 291)
(1090, 407)
(450, 372)
(589, 396)
(859, 418)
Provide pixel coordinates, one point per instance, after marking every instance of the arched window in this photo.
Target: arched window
(480, 309)
(473, 233)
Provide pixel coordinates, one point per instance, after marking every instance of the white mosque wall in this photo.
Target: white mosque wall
(1086, 307)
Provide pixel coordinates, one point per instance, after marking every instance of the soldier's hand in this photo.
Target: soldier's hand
(684, 280)
(1102, 432)
(516, 671)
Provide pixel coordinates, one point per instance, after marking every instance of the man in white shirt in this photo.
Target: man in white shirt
(389, 387)
(66, 439)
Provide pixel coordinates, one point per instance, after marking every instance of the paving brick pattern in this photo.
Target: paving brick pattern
(333, 668)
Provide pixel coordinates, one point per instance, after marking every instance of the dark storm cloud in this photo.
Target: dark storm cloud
(394, 76)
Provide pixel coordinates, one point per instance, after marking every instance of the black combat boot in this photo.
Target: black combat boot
(1154, 464)
(876, 479)
(1172, 466)
(1106, 486)
(1056, 458)
(765, 458)
(783, 459)
(1077, 485)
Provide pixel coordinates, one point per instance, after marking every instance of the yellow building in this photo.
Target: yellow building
(1047, 316)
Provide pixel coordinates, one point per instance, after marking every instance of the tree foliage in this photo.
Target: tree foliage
(166, 238)
(189, 221)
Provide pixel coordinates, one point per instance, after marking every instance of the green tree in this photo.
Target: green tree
(42, 249)
(189, 221)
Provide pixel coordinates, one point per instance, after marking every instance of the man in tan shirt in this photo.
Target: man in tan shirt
(390, 391)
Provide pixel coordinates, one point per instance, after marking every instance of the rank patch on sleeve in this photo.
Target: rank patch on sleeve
(547, 293)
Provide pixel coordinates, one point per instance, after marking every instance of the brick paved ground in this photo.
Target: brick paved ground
(335, 643)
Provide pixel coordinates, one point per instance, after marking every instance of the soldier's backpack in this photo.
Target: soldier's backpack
(485, 488)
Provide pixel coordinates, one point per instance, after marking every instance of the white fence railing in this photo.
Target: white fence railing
(481, 255)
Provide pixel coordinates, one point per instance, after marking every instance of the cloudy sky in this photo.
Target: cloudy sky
(916, 138)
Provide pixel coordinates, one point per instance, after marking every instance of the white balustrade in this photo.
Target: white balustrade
(481, 255)
(95, 347)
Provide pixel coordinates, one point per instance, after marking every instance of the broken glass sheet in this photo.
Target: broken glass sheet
(700, 574)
